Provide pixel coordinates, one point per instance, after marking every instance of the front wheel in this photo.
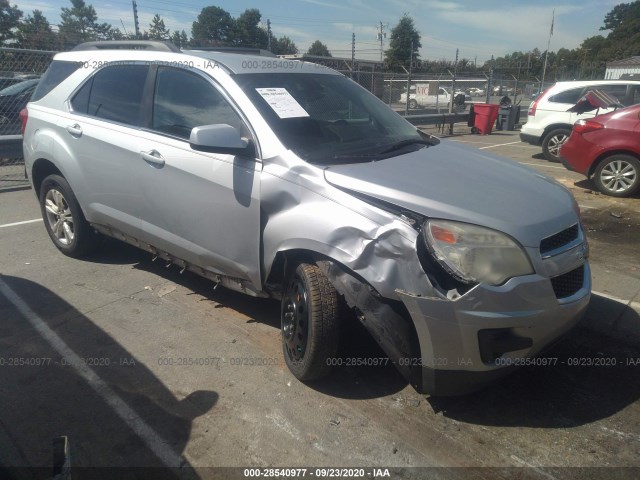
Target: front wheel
(310, 328)
(618, 175)
(413, 103)
(63, 218)
(552, 143)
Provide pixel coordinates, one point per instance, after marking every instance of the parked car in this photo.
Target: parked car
(8, 81)
(607, 149)
(287, 180)
(13, 99)
(549, 122)
(476, 92)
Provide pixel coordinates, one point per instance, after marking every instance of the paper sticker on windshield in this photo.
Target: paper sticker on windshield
(282, 102)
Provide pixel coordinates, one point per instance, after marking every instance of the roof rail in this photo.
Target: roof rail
(149, 45)
(239, 50)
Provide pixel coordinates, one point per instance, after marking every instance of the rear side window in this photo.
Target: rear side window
(113, 93)
(55, 74)
(568, 96)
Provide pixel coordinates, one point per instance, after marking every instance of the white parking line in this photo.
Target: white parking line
(499, 145)
(20, 223)
(153, 441)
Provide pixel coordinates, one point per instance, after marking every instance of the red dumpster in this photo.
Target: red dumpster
(485, 117)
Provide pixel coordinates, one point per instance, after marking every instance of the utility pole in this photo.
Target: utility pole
(268, 34)
(381, 36)
(135, 18)
(353, 53)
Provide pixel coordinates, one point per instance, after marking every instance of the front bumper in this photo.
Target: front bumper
(481, 336)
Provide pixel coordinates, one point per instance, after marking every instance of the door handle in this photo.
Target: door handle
(153, 157)
(75, 130)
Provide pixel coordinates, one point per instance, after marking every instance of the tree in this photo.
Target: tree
(35, 32)
(214, 26)
(283, 46)
(180, 39)
(157, 29)
(319, 49)
(247, 31)
(402, 35)
(619, 14)
(80, 24)
(9, 18)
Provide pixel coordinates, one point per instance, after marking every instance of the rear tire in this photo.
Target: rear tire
(552, 143)
(63, 218)
(310, 327)
(618, 175)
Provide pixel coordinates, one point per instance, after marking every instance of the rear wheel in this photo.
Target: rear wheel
(618, 175)
(552, 143)
(309, 316)
(63, 218)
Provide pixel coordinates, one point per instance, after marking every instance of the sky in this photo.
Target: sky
(478, 28)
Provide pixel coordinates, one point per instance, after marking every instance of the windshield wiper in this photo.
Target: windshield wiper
(405, 143)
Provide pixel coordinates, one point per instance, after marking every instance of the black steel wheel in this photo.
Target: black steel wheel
(309, 316)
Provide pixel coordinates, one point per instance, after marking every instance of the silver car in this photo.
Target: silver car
(285, 179)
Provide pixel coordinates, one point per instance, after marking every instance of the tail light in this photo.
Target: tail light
(24, 116)
(534, 105)
(586, 126)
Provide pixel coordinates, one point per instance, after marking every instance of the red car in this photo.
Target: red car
(607, 148)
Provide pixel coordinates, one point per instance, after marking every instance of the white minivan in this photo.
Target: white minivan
(549, 122)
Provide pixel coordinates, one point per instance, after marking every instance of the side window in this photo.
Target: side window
(568, 96)
(114, 93)
(57, 72)
(619, 91)
(80, 101)
(634, 94)
(184, 100)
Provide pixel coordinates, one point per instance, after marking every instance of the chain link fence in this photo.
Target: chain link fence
(20, 71)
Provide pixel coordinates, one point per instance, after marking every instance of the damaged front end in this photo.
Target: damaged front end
(449, 326)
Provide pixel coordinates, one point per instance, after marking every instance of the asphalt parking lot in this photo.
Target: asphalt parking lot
(141, 366)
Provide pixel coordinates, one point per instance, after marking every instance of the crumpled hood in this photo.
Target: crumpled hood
(456, 182)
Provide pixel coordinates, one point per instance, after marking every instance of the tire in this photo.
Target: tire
(63, 218)
(309, 323)
(618, 175)
(552, 143)
(413, 103)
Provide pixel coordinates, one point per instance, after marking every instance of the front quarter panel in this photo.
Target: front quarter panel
(302, 211)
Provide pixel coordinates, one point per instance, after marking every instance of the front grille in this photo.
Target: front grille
(568, 283)
(559, 239)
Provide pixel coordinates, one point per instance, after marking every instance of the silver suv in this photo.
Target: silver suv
(285, 179)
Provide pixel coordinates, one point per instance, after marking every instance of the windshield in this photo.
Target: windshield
(18, 87)
(328, 118)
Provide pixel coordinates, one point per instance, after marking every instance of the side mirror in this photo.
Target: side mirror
(220, 138)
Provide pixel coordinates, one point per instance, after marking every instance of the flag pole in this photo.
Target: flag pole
(546, 55)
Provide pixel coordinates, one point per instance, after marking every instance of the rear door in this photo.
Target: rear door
(100, 136)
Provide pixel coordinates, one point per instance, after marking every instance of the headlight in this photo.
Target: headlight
(475, 254)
